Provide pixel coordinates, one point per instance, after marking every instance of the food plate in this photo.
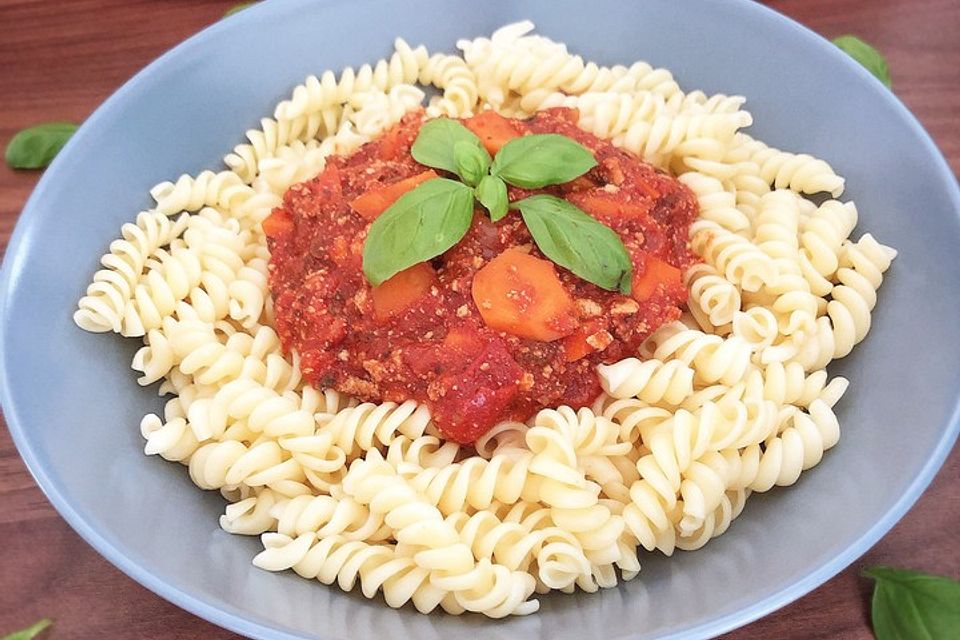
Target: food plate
(72, 406)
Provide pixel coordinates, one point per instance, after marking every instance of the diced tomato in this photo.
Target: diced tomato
(373, 203)
(402, 290)
(391, 144)
(277, 223)
(493, 130)
(327, 186)
(520, 294)
(463, 343)
(576, 345)
(655, 272)
(458, 349)
(480, 396)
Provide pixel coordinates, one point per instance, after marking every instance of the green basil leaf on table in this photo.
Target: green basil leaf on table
(867, 56)
(36, 147)
(574, 240)
(30, 632)
(911, 604)
(237, 8)
(492, 194)
(472, 162)
(420, 225)
(436, 142)
(536, 161)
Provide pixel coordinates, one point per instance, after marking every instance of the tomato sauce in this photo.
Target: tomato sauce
(438, 350)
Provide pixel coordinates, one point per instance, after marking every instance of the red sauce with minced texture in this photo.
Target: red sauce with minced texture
(439, 351)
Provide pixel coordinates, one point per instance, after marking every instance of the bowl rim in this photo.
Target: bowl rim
(14, 263)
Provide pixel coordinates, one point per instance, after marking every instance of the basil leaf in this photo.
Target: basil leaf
(434, 146)
(36, 147)
(910, 604)
(237, 8)
(574, 240)
(492, 194)
(420, 225)
(535, 161)
(30, 632)
(866, 55)
(472, 162)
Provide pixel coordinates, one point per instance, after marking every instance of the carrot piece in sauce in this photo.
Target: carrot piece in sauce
(397, 294)
(581, 342)
(373, 203)
(493, 130)
(520, 294)
(603, 205)
(655, 272)
(277, 223)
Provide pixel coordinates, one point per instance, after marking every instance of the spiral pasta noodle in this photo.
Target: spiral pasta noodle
(369, 425)
(784, 170)
(714, 301)
(458, 82)
(319, 93)
(114, 285)
(651, 381)
(277, 135)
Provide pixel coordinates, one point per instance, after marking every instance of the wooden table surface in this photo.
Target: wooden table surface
(59, 60)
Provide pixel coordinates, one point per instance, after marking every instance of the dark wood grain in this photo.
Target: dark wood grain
(59, 60)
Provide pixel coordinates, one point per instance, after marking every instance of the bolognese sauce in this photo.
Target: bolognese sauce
(490, 330)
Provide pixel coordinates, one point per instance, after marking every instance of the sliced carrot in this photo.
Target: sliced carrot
(277, 223)
(520, 294)
(655, 272)
(493, 130)
(373, 203)
(601, 204)
(402, 290)
(577, 344)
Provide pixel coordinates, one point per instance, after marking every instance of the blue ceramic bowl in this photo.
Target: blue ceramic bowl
(73, 406)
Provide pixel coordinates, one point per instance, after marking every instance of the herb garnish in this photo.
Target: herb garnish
(237, 8)
(910, 604)
(30, 632)
(435, 215)
(421, 224)
(866, 55)
(36, 147)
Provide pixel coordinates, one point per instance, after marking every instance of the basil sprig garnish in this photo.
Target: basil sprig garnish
(434, 216)
(30, 632)
(867, 56)
(36, 147)
(534, 162)
(492, 194)
(437, 145)
(237, 8)
(472, 163)
(420, 225)
(577, 242)
(910, 604)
